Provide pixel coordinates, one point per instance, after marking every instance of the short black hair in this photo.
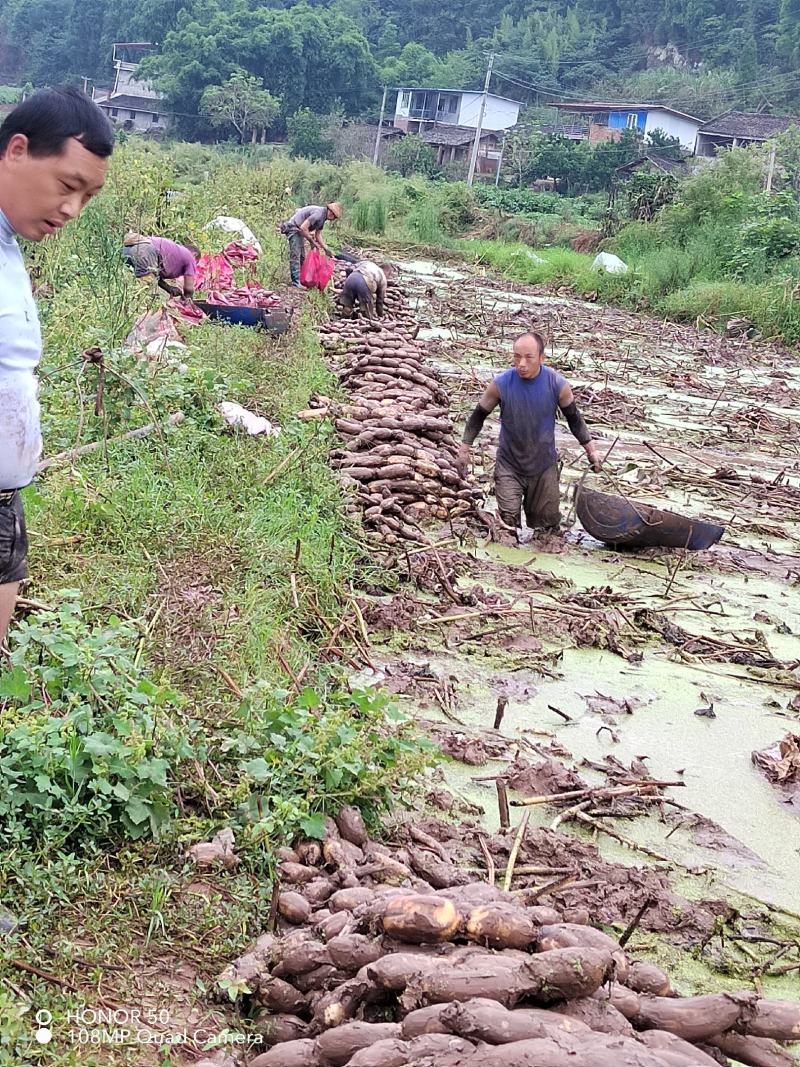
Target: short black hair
(538, 338)
(51, 117)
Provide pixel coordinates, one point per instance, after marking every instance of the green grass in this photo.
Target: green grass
(518, 261)
(665, 280)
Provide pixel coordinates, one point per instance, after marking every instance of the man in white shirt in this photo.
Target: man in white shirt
(54, 151)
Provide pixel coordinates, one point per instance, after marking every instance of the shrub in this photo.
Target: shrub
(410, 155)
(710, 301)
(646, 193)
(89, 747)
(303, 760)
(424, 222)
(518, 201)
(719, 191)
(458, 206)
(369, 215)
(307, 135)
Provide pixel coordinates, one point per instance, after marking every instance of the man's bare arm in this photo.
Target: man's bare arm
(578, 428)
(312, 236)
(166, 285)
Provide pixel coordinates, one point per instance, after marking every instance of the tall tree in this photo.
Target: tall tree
(242, 102)
(307, 56)
(789, 30)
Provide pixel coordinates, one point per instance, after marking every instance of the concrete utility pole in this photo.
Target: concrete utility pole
(500, 162)
(771, 168)
(380, 128)
(477, 142)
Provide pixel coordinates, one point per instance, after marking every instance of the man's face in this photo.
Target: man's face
(42, 193)
(527, 357)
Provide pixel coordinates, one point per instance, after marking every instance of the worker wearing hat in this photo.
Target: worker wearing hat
(306, 225)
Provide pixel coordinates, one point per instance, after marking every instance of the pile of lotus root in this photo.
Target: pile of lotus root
(374, 967)
(399, 451)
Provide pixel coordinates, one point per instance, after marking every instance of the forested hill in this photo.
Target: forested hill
(701, 55)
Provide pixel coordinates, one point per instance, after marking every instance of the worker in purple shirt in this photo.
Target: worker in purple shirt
(172, 264)
(529, 394)
(54, 151)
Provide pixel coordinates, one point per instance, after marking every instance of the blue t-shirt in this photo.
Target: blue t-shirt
(528, 420)
(20, 352)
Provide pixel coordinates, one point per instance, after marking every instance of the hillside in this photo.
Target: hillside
(699, 55)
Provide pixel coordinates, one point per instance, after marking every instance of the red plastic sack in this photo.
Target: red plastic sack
(213, 272)
(240, 254)
(317, 270)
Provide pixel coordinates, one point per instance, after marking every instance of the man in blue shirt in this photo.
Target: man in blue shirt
(526, 469)
(54, 151)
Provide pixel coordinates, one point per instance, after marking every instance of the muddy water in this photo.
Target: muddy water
(707, 595)
(711, 756)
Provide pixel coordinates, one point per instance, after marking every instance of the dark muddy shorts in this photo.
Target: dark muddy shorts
(13, 540)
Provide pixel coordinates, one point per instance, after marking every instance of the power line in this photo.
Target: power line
(774, 81)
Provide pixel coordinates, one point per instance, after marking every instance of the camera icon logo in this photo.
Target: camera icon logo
(43, 1019)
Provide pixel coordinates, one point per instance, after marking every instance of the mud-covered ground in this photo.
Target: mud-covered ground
(619, 666)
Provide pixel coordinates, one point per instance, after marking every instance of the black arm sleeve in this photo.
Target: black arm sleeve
(576, 423)
(475, 424)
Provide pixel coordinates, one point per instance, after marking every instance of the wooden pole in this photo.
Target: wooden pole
(71, 454)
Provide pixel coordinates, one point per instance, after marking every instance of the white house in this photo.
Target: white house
(608, 120)
(420, 109)
(132, 104)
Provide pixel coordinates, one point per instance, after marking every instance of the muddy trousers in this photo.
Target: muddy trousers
(297, 253)
(539, 496)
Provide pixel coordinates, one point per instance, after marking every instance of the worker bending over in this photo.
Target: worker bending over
(366, 284)
(305, 226)
(174, 266)
(526, 470)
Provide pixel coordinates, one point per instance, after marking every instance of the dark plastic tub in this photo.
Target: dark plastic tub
(271, 319)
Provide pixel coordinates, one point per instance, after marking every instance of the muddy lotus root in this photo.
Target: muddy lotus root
(351, 952)
(662, 1041)
(399, 1053)
(754, 1051)
(294, 908)
(486, 1020)
(647, 978)
(350, 824)
(280, 996)
(420, 919)
(598, 1015)
(424, 1021)
(301, 1053)
(339, 1044)
(574, 935)
(278, 1028)
(501, 926)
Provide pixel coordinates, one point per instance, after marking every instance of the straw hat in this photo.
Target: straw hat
(336, 209)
